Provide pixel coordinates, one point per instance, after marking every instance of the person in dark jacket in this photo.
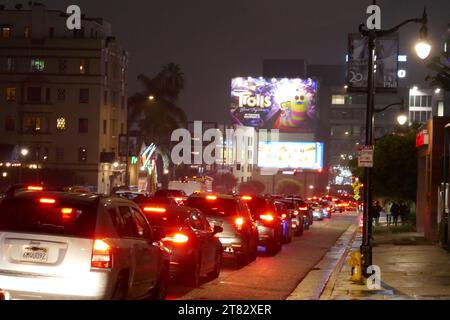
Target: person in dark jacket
(395, 211)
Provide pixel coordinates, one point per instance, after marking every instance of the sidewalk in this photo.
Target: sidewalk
(411, 269)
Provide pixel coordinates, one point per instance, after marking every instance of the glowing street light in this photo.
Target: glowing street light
(151, 98)
(24, 152)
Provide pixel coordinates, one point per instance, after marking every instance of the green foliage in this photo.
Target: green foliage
(288, 186)
(252, 186)
(224, 182)
(395, 166)
(440, 65)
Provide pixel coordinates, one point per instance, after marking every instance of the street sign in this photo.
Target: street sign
(365, 156)
(356, 197)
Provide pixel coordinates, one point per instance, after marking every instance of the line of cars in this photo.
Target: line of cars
(56, 244)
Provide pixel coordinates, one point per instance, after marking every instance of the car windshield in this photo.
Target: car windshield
(66, 217)
(218, 207)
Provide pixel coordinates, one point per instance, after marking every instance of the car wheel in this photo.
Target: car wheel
(253, 252)
(121, 288)
(193, 276)
(215, 273)
(159, 292)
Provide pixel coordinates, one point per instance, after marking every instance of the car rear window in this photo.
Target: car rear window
(166, 219)
(257, 206)
(217, 208)
(65, 217)
(154, 201)
(169, 193)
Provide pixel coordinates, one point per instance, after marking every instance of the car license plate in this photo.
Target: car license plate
(34, 254)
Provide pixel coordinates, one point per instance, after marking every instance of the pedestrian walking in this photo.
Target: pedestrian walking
(404, 212)
(375, 212)
(387, 210)
(395, 213)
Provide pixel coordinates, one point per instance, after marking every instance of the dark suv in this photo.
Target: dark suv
(239, 237)
(268, 220)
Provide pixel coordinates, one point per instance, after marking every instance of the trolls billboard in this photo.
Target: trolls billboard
(277, 103)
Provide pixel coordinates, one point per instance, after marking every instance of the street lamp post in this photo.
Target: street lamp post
(423, 49)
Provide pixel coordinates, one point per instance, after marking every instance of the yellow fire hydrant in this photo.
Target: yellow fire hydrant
(355, 262)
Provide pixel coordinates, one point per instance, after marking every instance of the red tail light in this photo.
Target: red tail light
(35, 188)
(177, 238)
(303, 208)
(246, 198)
(154, 209)
(239, 222)
(211, 197)
(296, 212)
(101, 255)
(47, 201)
(267, 217)
(67, 213)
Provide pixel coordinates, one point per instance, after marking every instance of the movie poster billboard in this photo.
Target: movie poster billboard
(287, 155)
(386, 63)
(285, 104)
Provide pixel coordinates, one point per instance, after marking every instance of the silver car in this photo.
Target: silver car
(58, 245)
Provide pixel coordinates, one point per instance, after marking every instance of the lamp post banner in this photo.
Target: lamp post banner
(386, 64)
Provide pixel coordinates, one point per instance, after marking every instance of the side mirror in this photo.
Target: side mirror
(218, 229)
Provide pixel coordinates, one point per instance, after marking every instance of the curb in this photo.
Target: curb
(316, 281)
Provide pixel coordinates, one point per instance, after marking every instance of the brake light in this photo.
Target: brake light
(211, 197)
(283, 216)
(35, 188)
(47, 200)
(239, 222)
(178, 199)
(67, 213)
(303, 208)
(154, 209)
(296, 212)
(266, 217)
(101, 255)
(177, 238)
(246, 198)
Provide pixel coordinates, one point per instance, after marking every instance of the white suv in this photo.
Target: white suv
(59, 245)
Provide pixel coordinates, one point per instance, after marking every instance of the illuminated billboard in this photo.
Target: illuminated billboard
(295, 155)
(285, 104)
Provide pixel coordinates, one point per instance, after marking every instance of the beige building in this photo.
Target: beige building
(63, 96)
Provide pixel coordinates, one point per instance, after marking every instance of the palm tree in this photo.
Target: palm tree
(159, 117)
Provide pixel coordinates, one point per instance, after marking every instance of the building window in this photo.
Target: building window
(338, 99)
(10, 124)
(27, 32)
(122, 127)
(61, 124)
(37, 65)
(10, 65)
(105, 123)
(440, 108)
(84, 66)
(10, 94)
(105, 97)
(113, 127)
(122, 102)
(106, 68)
(84, 95)
(59, 154)
(114, 99)
(51, 32)
(6, 32)
(32, 124)
(82, 154)
(83, 125)
(34, 94)
(62, 65)
(61, 94)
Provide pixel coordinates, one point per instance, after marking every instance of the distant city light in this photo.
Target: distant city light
(402, 58)
(401, 73)
(437, 90)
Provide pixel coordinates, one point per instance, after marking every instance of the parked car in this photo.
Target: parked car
(195, 249)
(326, 208)
(59, 245)
(267, 219)
(286, 219)
(239, 237)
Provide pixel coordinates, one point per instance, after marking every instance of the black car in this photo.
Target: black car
(268, 220)
(195, 249)
(239, 237)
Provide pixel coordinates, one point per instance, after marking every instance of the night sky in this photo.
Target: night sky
(214, 41)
